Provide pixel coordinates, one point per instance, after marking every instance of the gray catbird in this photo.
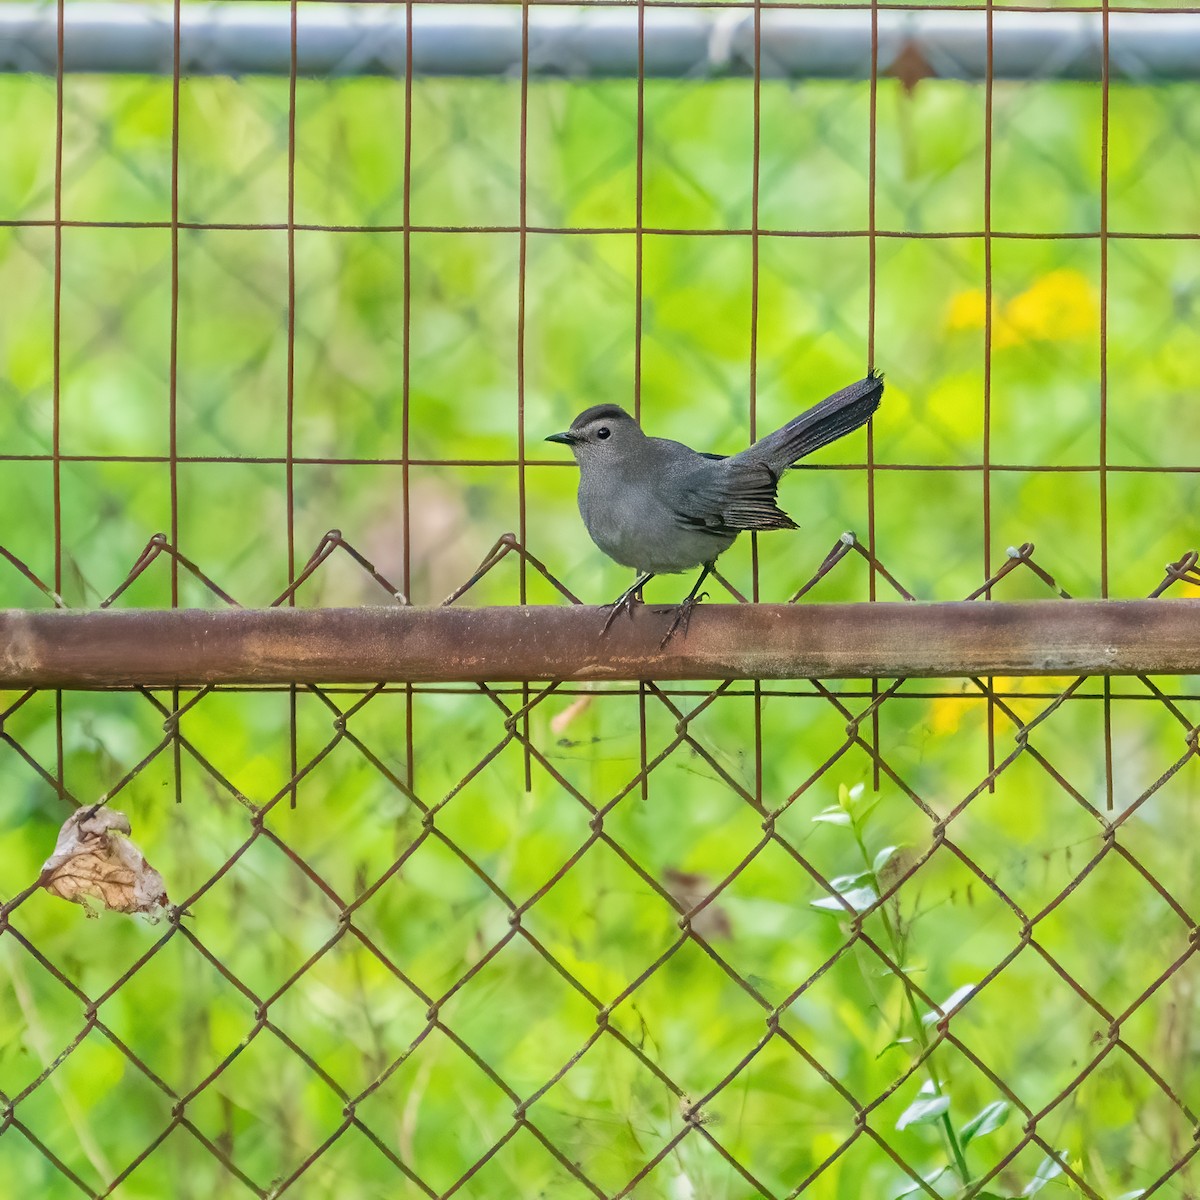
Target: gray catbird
(660, 507)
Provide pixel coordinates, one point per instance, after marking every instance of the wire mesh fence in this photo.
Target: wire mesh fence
(562, 970)
(829, 938)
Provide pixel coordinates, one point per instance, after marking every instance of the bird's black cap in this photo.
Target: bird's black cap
(609, 412)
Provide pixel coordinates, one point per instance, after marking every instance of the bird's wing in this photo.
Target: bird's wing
(737, 496)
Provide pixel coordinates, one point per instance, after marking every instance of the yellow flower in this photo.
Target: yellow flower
(1058, 306)
(966, 310)
(947, 714)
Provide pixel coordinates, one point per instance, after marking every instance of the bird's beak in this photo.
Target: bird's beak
(567, 439)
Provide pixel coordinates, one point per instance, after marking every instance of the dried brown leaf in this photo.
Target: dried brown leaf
(94, 859)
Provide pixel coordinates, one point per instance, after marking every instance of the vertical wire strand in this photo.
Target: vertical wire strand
(754, 296)
(638, 200)
(56, 369)
(56, 365)
(406, 368)
(755, 167)
(872, 283)
(522, 263)
(989, 82)
(523, 246)
(1103, 449)
(173, 379)
(988, 120)
(639, 210)
(290, 430)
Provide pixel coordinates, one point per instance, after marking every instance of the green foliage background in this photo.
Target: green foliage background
(263, 921)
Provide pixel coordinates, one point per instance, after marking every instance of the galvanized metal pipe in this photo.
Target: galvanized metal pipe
(594, 42)
(190, 648)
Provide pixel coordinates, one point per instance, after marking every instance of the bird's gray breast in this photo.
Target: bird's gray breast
(640, 512)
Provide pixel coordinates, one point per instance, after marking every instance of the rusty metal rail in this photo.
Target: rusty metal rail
(765, 641)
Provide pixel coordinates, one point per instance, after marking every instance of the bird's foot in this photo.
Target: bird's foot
(683, 617)
(624, 603)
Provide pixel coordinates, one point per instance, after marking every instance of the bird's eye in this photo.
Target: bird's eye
(603, 432)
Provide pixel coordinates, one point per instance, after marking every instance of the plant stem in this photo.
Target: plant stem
(952, 1142)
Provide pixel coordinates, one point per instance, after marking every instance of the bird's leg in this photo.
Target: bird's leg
(627, 599)
(683, 612)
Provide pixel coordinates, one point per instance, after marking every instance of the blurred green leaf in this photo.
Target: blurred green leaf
(858, 899)
(952, 1002)
(883, 857)
(986, 1121)
(833, 816)
(1051, 1167)
(936, 1179)
(894, 1044)
(923, 1112)
(858, 892)
(848, 797)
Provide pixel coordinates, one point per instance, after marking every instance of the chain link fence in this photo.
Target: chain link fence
(829, 938)
(546, 975)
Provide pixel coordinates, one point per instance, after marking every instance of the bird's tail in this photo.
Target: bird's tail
(834, 417)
